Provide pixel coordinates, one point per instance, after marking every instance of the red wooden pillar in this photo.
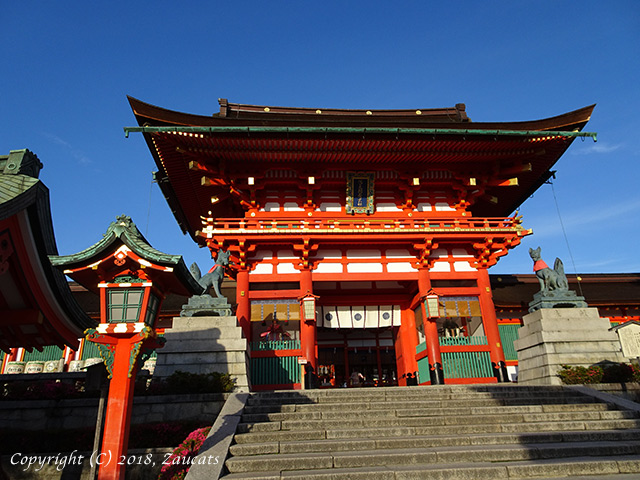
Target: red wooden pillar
(121, 359)
(430, 331)
(490, 322)
(408, 343)
(243, 309)
(13, 355)
(118, 418)
(308, 330)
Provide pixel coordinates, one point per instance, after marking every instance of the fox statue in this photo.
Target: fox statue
(550, 280)
(214, 277)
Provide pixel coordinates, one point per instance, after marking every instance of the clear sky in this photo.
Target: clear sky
(68, 66)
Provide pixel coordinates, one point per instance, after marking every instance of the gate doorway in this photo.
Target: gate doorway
(370, 353)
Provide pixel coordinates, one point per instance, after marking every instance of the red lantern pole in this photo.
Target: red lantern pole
(122, 359)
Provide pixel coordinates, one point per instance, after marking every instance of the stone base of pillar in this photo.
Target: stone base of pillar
(205, 345)
(437, 374)
(552, 337)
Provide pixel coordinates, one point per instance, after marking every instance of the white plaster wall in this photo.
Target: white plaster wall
(351, 253)
(364, 267)
(262, 269)
(326, 267)
(286, 268)
(441, 267)
(463, 267)
(398, 267)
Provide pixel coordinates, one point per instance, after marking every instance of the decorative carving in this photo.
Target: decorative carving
(554, 287)
(106, 350)
(130, 278)
(138, 351)
(122, 224)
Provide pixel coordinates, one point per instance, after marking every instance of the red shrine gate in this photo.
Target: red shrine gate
(372, 214)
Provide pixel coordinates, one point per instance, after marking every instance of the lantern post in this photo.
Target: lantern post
(308, 338)
(431, 305)
(132, 279)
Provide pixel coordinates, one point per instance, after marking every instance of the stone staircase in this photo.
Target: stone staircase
(437, 432)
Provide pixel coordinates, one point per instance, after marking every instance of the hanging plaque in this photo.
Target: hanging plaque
(360, 192)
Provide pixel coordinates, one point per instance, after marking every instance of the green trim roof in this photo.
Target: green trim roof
(124, 231)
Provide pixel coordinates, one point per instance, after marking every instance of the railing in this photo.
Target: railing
(470, 363)
(261, 346)
(407, 225)
(275, 371)
(462, 357)
(508, 335)
(466, 365)
(457, 341)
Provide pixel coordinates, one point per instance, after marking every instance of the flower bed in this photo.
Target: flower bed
(177, 465)
(605, 373)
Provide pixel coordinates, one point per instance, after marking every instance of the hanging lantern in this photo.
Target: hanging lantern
(432, 304)
(308, 307)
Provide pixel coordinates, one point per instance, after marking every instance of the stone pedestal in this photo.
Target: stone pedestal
(206, 306)
(556, 299)
(205, 345)
(552, 337)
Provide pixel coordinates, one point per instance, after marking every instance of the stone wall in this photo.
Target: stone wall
(628, 391)
(79, 413)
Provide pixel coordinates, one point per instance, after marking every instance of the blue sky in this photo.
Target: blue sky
(68, 66)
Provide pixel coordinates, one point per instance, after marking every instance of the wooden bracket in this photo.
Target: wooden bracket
(304, 250)
(424, 251)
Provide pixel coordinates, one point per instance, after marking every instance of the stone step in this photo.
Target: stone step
(602, 468)
(447, 432)
(462, 429)
(413, 456)
(385, 413)
(376, 395)
(440, 420)
(415, 441)
(405, 405)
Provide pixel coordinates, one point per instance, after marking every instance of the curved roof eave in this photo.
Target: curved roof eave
(124, 232)
(148, 114)
(27, 198)
(118, 232)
